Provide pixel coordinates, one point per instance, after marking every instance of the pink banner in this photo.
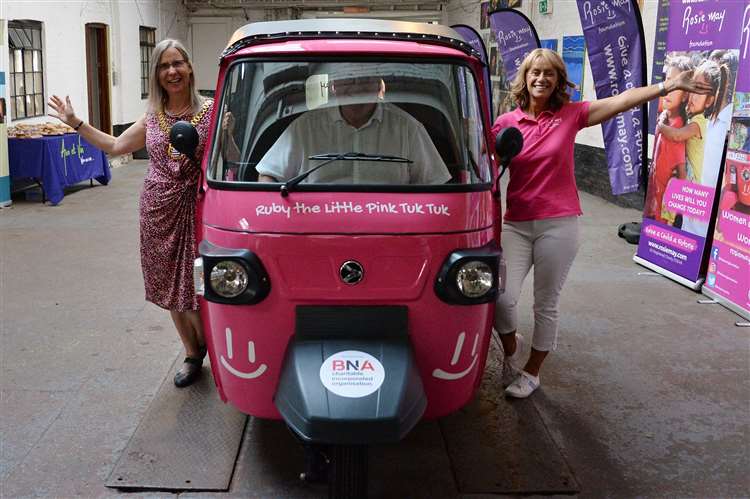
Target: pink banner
(690, 199)
(728, 276)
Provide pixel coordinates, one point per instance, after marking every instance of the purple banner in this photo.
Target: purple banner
(613, 36)
(685, 172)
(743, 75)
(660, 52)
(515, 37)
(669, 248)
(473, 38)
(704, 25)
(728, 272)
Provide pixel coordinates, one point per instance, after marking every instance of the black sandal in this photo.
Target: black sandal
(191, 370)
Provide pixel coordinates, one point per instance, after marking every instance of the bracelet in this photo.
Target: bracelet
(78, 126)
(662, 89)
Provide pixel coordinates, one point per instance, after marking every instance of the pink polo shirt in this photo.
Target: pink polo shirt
(542, 180)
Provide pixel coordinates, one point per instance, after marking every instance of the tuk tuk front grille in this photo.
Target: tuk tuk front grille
(320, 322)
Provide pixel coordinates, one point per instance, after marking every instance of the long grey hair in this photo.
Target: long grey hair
(157, 96)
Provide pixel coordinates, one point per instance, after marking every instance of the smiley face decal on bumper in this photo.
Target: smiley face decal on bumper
(250, 357)
(449, 376)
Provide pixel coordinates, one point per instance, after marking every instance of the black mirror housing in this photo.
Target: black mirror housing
(184, 138)
(508, 144)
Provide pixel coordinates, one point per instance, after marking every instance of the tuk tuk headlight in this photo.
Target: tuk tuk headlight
(470, 276)
(228, 279)
(232, 276)
(474, 279)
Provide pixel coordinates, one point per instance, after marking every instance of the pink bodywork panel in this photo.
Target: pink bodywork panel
(247, 342)
(401, 239)
(347, 212)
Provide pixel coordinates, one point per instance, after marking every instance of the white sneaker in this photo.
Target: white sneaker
(523, 386)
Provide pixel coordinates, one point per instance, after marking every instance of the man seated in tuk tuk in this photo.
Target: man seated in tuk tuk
(360, 123)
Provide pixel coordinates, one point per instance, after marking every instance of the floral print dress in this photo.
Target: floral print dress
(167, 213)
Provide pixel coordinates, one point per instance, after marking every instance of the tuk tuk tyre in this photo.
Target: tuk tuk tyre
(347, 472)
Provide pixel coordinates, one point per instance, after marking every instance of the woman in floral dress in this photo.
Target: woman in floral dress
(167, 208)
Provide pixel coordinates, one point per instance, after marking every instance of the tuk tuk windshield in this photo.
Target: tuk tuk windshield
(356, 123)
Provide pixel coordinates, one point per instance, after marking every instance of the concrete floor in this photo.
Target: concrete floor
(647, 395)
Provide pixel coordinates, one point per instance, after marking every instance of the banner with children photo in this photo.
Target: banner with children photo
(728, 274)
(689, 139)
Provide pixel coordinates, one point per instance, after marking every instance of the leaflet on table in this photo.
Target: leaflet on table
(728, 275)
(703, 36)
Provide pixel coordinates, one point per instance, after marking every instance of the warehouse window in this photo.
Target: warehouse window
(148, 42)
(25, 56)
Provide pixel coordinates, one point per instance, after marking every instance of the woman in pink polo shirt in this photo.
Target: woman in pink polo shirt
(541, 218)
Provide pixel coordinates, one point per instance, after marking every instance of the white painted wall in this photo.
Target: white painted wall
(63, 31)
(209, 32)
(205, 33)
(563, 21)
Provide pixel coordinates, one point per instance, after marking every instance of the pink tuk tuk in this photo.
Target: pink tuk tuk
(348, 267)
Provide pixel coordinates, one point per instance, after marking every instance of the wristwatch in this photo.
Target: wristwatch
(662, 89)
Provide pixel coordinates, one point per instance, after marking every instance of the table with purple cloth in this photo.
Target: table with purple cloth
(56, 162)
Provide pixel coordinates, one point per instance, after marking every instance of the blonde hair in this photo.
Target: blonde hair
(520, 92)
(157, 97)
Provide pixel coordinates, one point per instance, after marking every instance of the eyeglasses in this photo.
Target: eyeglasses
(178, 64)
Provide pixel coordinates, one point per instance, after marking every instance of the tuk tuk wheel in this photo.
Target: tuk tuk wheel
(347, 472)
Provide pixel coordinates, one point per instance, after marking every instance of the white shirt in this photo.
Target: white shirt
(390, 131)
(716, 132)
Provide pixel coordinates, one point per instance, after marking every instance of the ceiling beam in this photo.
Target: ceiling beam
(314, 4)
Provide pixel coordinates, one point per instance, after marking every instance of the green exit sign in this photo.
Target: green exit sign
(545, 6)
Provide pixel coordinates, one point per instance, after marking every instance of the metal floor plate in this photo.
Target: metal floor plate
(501, 446)
(492, 446)
(187, 440)
(271, 459)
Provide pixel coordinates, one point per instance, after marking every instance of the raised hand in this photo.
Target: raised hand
(63, 110)
(685, 81)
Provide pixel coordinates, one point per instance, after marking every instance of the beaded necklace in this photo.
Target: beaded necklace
(171, 151)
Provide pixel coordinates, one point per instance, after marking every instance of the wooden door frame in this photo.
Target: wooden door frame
(101, 37)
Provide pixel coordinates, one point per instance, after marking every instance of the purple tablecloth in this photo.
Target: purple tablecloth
(56, 162)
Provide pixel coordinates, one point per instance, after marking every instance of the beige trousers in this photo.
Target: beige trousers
(550, 246)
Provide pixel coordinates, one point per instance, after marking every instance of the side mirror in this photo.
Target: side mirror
(184, 137)
(508, 144)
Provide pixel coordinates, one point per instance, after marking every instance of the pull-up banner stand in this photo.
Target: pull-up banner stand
(703, 35)
(473, 38)
(614, 38)
(515, 37)
(728, 274)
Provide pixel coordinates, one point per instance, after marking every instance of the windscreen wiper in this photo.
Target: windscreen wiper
(331, 157)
